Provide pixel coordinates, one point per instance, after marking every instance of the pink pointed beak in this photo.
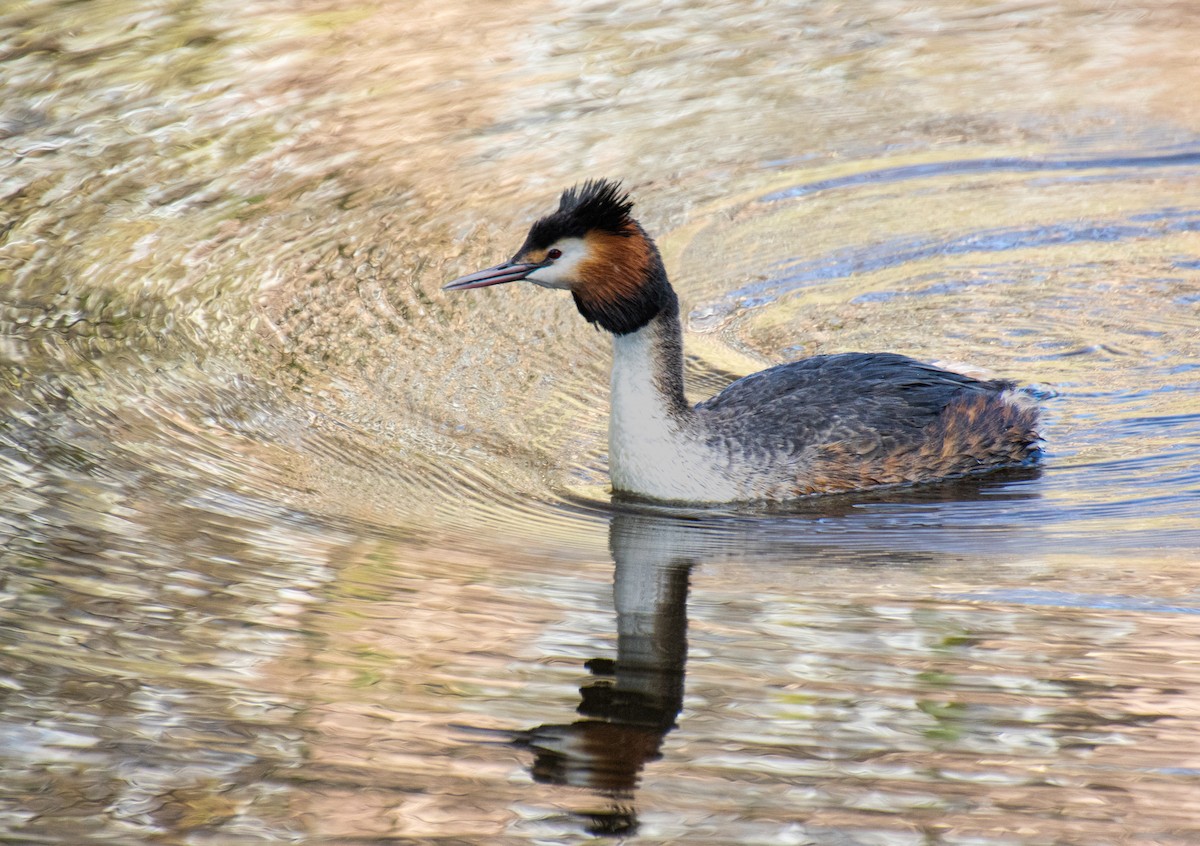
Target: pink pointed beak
(510, 271)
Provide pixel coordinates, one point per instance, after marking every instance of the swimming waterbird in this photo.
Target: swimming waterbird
(825, 424)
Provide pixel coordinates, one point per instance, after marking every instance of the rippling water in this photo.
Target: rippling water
(297, 549)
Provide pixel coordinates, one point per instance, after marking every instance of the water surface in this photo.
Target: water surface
(297, 549)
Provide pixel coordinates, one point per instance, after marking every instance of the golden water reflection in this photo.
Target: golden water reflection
(293, 548)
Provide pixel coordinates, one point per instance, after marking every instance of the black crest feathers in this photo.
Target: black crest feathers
(598, 204)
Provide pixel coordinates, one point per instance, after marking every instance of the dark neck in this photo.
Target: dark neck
(648, 362)
(668, 357)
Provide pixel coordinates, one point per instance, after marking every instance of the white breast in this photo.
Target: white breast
(650, 448)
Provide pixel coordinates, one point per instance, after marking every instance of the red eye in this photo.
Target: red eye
(553, 254)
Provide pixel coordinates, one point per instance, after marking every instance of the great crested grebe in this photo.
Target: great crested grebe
(824, 424)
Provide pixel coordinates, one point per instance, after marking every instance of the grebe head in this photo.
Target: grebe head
(591, 247)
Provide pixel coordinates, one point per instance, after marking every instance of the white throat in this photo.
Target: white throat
(653, 449)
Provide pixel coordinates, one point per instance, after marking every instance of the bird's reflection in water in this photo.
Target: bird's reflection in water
(631, 702)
